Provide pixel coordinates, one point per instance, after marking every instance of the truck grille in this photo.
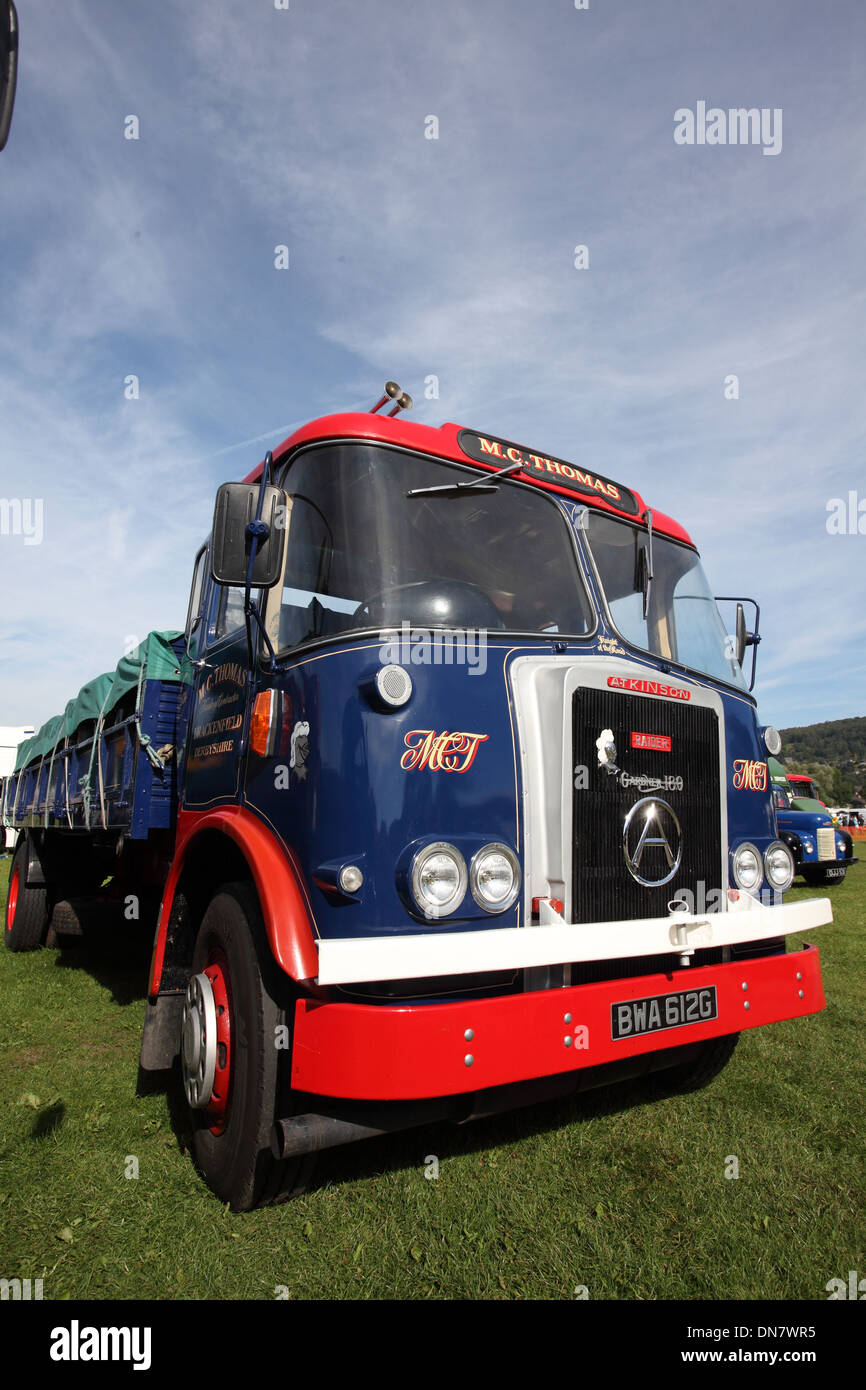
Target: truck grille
(826, 843)
(603, 886)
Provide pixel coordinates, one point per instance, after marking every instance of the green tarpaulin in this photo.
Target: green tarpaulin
(88, 703)
(45, 738)
(153, 656)
(779, 777)
(777, 772)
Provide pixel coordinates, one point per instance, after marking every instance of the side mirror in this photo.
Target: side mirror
(742, 638)
(8, 65)
(234, 527)
(741, 634)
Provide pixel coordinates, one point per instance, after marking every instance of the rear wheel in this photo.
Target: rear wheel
(27, 909)
(237, 1013)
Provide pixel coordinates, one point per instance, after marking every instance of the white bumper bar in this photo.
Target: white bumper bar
(556, 942)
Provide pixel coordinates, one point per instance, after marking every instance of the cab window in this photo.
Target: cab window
(226, 611)
(193, 617)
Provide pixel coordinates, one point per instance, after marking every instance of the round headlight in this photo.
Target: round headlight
(494, 877)
(779, 866)
(747, 868)
(808, 845)
(439, 879)
(772, 740)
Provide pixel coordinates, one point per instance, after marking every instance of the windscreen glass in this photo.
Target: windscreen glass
(662, 604)
(361, 553)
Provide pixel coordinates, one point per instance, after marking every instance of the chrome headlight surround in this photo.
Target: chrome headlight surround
(774, 855)
(481, 863)
(749, 881)
(423, 899)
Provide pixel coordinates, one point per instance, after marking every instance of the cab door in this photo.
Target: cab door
(216, 740)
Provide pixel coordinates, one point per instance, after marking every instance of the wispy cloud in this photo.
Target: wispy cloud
(412, 257)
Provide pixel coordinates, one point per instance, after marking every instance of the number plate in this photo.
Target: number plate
(661, 1011)
(837, 872)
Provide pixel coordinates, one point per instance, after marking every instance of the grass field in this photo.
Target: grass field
(623, 1192)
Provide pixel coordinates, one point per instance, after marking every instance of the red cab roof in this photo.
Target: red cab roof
(485, 452)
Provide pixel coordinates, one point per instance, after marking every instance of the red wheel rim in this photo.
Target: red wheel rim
(12, 901)
(217, 971)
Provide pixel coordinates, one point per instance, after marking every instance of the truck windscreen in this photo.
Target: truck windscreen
(682, 622)
(361, 553)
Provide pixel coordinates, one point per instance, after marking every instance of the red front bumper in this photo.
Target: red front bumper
(410, 1052)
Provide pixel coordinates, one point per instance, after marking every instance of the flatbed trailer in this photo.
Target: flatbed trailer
(94, 793)
(108, 763)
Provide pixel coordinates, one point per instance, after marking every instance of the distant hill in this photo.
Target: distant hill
(835, 741)
(833, 753)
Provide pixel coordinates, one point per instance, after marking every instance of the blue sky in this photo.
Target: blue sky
(410, 257)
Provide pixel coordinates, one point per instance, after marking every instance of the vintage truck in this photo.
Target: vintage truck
(452, 796)
(822, 850)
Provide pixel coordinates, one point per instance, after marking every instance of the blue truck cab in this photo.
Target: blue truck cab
(822, 850)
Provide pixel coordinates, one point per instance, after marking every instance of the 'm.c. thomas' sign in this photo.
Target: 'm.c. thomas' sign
(485, 448)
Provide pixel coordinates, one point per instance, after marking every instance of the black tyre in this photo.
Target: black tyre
(27, 908)
(236, 1087)
(818, 877)
(712, 1057)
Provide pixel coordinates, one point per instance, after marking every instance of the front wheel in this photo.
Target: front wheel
(235, 1066)
(27, 909)
(712, 1057)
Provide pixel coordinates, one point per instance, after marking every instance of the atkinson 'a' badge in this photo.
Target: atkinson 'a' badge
(652, 842)
(607, 751)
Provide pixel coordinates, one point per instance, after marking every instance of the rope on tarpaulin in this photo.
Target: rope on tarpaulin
(85, 782)
(143, 738)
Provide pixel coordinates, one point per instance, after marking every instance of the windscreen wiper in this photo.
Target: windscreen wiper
(647, 565)
(454, 489)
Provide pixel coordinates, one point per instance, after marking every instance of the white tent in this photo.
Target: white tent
(10, 737)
